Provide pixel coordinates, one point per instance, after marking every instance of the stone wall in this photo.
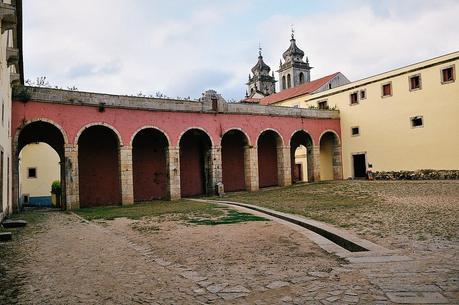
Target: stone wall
(424, 174)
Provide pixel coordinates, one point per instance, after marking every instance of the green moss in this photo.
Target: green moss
(231, 216)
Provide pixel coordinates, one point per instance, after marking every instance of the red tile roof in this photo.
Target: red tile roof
(297, 91)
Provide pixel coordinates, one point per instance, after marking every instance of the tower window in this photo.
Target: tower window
(32, 172)
(301, 78)
(323, 105)
(354, 98)
(289, 81)
(387, 90)
(355, 131)
(447, 75)
(415, 82)
(417, 121)
(283, 82)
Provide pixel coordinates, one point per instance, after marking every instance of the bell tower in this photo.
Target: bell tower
(261, 83)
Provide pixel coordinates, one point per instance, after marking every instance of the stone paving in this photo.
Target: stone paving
(70, 261)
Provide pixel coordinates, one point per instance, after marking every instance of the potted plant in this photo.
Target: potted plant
(56, 193)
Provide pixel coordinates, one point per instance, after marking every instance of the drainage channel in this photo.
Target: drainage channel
(340, 241)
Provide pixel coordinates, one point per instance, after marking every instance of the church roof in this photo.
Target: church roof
(260, 66)
(293, 50)
(305, 88)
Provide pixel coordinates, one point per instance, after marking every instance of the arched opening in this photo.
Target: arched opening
(268, 143)
(301, 78)
(301, 157)
(234, 143)
(195, 150)
(284, 86)
(38, 162)
(330, 157)
(98, 167)
(289, 81)
(149, 165)
(39, 167)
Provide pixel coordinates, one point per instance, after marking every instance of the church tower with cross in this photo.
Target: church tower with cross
(293, 71)
(261, 84)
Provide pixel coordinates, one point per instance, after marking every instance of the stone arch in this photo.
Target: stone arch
(197, 128)
(301, 76)
(149, 164)
(249, 142)
(235, 144)
(150, 127)
(330, 156)
(82, 129)
(99, 171)
(281, 138)
(284, 85)
(195, 147)
(302, 156)
(289, 81)
(33, 131)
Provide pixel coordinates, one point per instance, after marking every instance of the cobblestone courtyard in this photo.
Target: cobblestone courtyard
(60, 258)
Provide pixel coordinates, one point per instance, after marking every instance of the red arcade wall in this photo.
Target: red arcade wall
(233, 162)
(98, 168)
(267, 160)
(149, 166)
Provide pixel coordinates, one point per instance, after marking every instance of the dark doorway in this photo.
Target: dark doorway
(233, 143)
(98, 166)
(149, 165)
(360, 168)
(298, 173)
(195, 148)
(267, 158)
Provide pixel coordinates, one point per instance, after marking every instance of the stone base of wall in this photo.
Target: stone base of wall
(423, 174)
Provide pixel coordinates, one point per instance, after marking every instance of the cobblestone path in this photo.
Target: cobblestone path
(70, 261)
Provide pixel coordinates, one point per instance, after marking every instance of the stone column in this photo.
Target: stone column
(173, 173)
(337, 162)
(216, 173)
(284, 166)
(314, 163)
(71, 183)
(251, 168)
(126, 177)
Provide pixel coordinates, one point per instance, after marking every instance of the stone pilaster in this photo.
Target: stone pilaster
(284, 166)
(337, 163)
(314, 163)
(126, 176)
(251, 168)
(71, 179)
(216, 173)
(173, 168)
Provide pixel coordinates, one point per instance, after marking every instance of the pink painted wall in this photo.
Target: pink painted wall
(73, 118)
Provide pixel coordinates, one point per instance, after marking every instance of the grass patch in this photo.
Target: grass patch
(156, 208)
(231, 216)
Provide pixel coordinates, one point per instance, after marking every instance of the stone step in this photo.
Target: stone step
(5, 236)
(14, 223)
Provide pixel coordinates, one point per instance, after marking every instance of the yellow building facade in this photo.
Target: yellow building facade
(38, 168)
(404, 119)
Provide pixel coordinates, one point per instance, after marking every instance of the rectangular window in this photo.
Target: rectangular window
(323, 105)
(32, 172)
(417, 121)
(363, 94)
(448, 75)
(415, 82)
(387, 89)
(355, 131)
(354, 98)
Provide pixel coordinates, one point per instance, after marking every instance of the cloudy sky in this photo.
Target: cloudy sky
(182, 48)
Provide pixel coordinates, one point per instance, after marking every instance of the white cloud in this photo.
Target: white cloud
(124, 47)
